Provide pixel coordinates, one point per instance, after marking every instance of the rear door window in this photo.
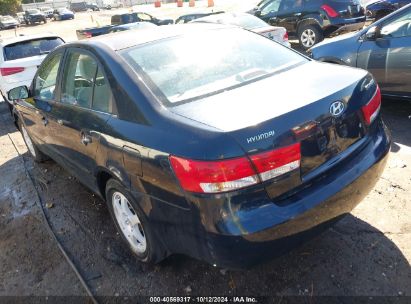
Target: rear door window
(31, 48)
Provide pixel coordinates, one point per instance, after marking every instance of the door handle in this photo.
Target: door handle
(45, 121)
(85, 139)
(60, 122)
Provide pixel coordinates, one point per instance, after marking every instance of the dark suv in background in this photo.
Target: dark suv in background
(312, 20)
(32, 16)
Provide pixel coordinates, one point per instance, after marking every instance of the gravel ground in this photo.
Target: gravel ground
(367, 253)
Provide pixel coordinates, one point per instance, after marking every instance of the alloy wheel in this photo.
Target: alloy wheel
(129, 222)
(308, 38)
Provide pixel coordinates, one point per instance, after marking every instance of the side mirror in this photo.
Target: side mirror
(257, 12)
(21, 92)
(373, 33)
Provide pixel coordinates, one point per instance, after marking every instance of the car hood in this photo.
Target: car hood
(271, 97)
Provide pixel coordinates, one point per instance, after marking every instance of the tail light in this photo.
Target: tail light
(88, 34)
(232, 174)
(10, 71)
(330, 11)
(372, 108)
(285, 37)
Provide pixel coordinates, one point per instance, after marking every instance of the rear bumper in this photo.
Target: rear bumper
(241, 235)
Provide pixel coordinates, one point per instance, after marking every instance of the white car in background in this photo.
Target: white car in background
(20, 57)
(249, 22)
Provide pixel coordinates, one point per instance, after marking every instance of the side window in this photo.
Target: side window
(291, 5)
(102, 97)
(272, 6)
(144, 17)
(78, 80)
(45, 82)
(400, 27)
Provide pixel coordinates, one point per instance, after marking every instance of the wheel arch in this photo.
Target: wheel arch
(310, 20)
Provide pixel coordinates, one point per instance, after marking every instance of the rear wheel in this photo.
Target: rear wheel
(309, 35)
(37, 155)
(132, 224)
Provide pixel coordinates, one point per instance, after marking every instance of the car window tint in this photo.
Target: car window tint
(271, 7)
(45, 81)
(31, 48)
(103, 97)
(399, 27)
(78, 80)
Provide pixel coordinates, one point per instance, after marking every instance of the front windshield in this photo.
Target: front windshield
(183, 69)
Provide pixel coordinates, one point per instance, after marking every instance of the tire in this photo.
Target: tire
(309, 35)
(141, 239)
(45, 20)
(27, 23)
(37, 155)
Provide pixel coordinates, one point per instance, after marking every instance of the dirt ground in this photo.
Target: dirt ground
(367, 253)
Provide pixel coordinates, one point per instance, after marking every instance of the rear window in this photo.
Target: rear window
(183, 69)
(33, 11)
(31, 48)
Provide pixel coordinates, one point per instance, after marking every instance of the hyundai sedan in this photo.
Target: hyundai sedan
(207, 152)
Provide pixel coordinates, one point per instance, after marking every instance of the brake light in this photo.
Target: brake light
(88, 34)
(277, 162)
(213, 176)
(285, 37)
(330, 11)
(372, 108)
(10, 71)
(232, 174)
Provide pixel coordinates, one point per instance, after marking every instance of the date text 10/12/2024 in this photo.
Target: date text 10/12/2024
(200, 299)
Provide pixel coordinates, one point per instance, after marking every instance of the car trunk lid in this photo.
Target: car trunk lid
(29, 67)
(269, 114)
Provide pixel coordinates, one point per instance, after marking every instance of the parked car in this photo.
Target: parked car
(382, 48)
(48, 11)
(20, 56)
(92, 6)
(32, 16)
(206, 151)
(131, 26)
(378, 9)
(8, 22)
(63, 14)
(312, 20)
(78, 6)
(190, 17)
(251, 23)
(138, 17)
(119, 20)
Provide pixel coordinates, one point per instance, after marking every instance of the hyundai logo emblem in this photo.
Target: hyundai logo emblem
(337, 108)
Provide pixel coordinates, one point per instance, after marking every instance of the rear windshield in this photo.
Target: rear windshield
(31, 48)
(33, 11)
(183, 69)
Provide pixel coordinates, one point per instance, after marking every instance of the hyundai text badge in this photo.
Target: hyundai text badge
(337, 108)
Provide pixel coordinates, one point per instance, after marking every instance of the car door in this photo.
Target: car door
(44, 88)
(85, 105)
(285, 13)
(388, 56)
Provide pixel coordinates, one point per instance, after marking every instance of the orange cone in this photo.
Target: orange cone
(157, 3)
(192, 3)
(179, 3)
(210, 3)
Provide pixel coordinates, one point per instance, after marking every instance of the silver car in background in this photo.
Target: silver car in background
(249, 22)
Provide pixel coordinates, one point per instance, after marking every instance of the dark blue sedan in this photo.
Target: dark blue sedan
(207, 152)
(63, 14)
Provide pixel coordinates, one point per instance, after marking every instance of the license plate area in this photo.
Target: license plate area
(332, 137)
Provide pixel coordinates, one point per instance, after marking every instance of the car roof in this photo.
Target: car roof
(7, 41)
(122, 40)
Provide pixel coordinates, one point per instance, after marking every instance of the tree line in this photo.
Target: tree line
(10, 7)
